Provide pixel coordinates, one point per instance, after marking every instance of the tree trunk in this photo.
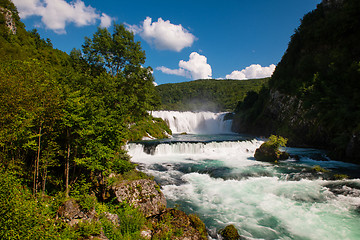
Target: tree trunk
(44, 178)
(36, 168)
(67, 165)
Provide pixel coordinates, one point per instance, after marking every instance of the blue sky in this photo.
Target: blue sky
(183, 40)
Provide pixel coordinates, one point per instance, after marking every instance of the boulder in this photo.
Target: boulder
(144, 194)
(71, 213)
(267, 153)
(229, 233)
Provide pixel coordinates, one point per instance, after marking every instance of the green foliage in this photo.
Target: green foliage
(116, 52)
(131, 220)
(340, 176)
(21, 216)
(320, 69)
(154, 127)
(85, 229)
(324, 66)
(276, 141)
(317, 168)
(74, 113)
(198, 225)
(81, 192)
(209, 94)
(122, 164)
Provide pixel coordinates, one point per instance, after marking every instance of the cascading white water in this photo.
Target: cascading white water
(228, 148)
(223, 184)
(195, 122)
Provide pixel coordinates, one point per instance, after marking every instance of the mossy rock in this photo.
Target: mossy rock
(267, 153)
(229, 233)
(284, 156)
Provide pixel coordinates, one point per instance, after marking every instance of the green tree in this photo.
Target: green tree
(30, 107)
(113, 51)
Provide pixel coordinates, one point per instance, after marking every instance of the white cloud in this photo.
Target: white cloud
(196, 68)
(133, 28)
(56, 14)
(251, 72)
(105, 20)
(179, 72)
(236, 75)
(163, 34)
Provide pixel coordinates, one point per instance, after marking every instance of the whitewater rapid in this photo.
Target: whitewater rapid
(217, 177)
(223, 184)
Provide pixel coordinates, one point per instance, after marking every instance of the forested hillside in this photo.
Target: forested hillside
(314, 94)
(210, 94)
(64, 121)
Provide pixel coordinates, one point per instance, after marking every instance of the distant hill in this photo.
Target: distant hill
(314, 94)
(207, 95)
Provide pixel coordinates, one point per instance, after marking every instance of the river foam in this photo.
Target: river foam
(223, 184)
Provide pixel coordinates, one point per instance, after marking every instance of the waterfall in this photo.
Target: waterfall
(234, 148)
(195, 122)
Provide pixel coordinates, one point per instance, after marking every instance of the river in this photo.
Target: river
(212, 172)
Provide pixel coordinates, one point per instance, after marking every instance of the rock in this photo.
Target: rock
(144, 194)
(98, 237)
(114, 218)
(175, 224)
(146, 234)
(267, 153)
(70, 210)
(284, 156)
(71, 213)
(9, 20)
(229, 233)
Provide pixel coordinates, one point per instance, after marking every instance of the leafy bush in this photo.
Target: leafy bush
(276, 141)
(131, 220)
(21, 216)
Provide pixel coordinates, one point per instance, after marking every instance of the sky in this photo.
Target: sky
(183, 40)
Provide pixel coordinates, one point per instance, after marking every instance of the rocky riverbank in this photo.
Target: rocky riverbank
(144, 195)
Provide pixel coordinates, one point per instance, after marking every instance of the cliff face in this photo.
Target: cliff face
(314, 94)
(9, 20)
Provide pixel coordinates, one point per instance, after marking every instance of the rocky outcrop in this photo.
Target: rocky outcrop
(9, 20)
(144, 194)
(71, 213)
(284, 115)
